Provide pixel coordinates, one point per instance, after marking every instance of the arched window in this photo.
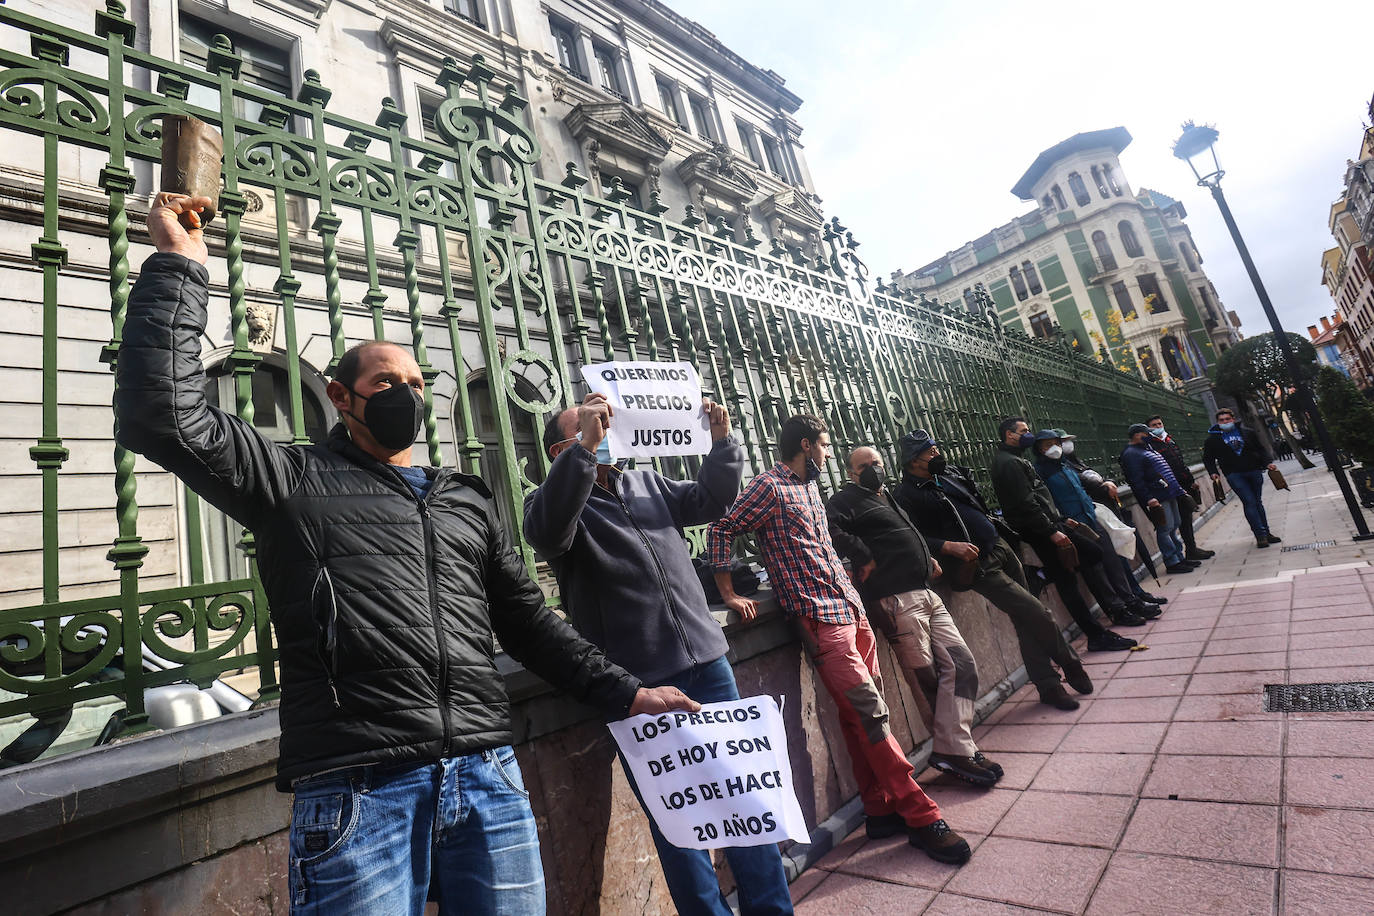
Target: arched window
(1079, 189)
(1104, 250)
(1032, 278)
(1059, 198)
(1110, 175)
(220, 559)
(1128, 240)
(1101, 183)
(1048, 203)
(1018, 284)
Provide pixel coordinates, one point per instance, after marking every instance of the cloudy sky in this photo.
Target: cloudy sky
(920, 116)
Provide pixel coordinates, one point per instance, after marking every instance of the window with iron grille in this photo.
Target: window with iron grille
(702, 122)
(471, 10)
(1104, 250)
(749, 142)
(264, 65)
(667, 100)
(608, 71)
(565, 46)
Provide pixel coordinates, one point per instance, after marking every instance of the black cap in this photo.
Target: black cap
(1046, 434)
(913, 444)
(1137, 428)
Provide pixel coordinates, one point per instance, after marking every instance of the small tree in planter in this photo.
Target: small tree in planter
(1350, 418)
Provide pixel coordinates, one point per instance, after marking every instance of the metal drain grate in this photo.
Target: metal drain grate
(1313, 546)
(1353, 696)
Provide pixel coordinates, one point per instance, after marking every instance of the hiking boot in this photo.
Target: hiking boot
(989, 765)
(1055, 695)
(1107, 641)
(940, 843)
(965, 768)
(1077, 678)
(1197, 553)
(1151, 599)
(1180, 568)
(1262, 542)
(878, 826)
(1122, 616)
(1273, 539)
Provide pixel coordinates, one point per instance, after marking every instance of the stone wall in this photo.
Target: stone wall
(188, 821)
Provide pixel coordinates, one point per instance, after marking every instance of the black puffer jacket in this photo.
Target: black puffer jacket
(386, 608)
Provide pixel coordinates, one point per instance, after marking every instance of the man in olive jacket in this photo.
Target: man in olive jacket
(388, 585)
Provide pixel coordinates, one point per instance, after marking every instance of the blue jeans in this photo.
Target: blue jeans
(365, 839)
(1170, 544)
(691, 878)
(1247, 485)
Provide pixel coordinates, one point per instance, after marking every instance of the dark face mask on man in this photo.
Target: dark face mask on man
(393, 415)
(873, 477)
(937, 465)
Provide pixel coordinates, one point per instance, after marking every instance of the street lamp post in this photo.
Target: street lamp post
(1195, 141)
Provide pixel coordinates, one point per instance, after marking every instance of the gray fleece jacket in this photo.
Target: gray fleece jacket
(622, 564)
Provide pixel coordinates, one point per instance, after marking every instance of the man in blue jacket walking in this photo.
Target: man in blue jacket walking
(1157, 489)
(614, 540)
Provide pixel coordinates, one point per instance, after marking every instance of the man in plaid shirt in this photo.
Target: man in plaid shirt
(783, 505)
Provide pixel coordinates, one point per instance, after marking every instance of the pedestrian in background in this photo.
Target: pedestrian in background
(1236, 451)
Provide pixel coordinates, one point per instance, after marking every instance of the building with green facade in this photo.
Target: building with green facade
(1115, 271)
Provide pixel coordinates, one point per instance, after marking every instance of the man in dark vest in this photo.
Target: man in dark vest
(389, 585)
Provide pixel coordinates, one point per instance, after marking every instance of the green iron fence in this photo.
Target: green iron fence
(459, 239)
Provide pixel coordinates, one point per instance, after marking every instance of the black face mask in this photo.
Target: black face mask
(393, 416)
(872, 477)
(937, 465)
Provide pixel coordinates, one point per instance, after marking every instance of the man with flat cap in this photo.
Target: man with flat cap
(944, 504)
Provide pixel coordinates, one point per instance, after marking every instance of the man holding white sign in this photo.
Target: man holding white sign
(614, 540)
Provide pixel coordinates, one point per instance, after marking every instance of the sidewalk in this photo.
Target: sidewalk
(1171, 790)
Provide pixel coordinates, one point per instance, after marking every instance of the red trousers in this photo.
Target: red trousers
(846, 659)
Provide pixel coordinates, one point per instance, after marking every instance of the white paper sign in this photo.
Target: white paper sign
(657, 408)
(715, 778)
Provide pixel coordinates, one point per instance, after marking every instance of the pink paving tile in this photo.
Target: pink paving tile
(1236, 613)
(1332, 611)
(1250, 661)
(895, 860)
(1247, 645)
(1261, 738)
(1234, 682)
(805, 883)
(1098, 668)
(1024, 692)
(1354, 636)
(1246, 631)
(1190, 649)
(1162, 685)
(1032, 874)
(1129, 709)
(1141, 665)
(1330, 739)
(846, 848)
(1220, 779)
(851, 894)
(1061, 817)
(1112, 774)
(1348, 597)
(1033, 738)
(948, 904)
(1326, 626)
(1308, 894)
(1332, 840)
(1018, 771)
(1115, 738)
(1170, 637)
(1244, 834)
(1037, 713)
(1001, 712)
(1329, 675)
(1166, 886)
(1333, 782)
(1208, 708)
(1330, 657)
(970, 809)
(1174, 624)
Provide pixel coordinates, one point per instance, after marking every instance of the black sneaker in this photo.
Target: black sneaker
(1107, 641)
(878, 826)
(965, 768)
(940, 843)
(1055, 695)
(1078, 679)
(985, 763)
(1273, 539)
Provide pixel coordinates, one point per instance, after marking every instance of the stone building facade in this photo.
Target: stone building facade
(1114, 269)
(1348, 266)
